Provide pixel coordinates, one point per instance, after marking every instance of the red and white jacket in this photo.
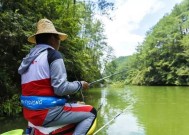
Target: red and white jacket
(43, 73)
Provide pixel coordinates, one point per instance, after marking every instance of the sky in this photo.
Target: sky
(131, 20)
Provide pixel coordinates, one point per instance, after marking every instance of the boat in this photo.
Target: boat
(56, 130)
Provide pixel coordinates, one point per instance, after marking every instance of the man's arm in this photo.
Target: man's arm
(59, 76)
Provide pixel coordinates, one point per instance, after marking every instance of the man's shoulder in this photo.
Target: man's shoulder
(53, 55)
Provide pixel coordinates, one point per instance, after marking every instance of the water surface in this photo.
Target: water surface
(143, 111)
(151, 110)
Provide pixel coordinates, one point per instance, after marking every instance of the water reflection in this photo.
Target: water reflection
(154, 111)
(149, 111)
(162, 110)
(126, 124)
(116, 115)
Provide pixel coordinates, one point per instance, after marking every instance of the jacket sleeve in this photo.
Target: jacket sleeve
(59, 76)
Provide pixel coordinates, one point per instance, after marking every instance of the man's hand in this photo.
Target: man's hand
(85, 85)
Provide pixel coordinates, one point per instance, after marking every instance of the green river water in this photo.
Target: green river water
(147, 111)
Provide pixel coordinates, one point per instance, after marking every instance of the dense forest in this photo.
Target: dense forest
(83, 51)
(163, 57)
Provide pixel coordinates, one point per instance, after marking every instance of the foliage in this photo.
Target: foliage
(11, 106)
(118, 84)
(82, 51)
(163, 57)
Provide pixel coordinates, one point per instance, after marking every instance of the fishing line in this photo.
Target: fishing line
(83, 98)
(100, 106)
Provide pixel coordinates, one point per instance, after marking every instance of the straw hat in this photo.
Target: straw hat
(46, 26)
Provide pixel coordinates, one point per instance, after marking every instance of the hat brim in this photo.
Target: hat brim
(62, 37)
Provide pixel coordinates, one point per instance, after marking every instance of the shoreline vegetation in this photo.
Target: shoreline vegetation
(82, 52)
(162, 59)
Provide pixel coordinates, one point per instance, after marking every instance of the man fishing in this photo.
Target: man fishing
(43, 74)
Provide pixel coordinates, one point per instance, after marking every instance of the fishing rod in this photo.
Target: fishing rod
(99, 80)
(117, 115)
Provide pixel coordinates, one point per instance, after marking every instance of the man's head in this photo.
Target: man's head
(46, 33)
(48, 38)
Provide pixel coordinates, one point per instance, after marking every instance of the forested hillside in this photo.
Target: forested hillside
(163, 57)
(82, 50)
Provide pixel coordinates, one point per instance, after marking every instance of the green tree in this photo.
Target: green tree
(76, 18)
(162, 58)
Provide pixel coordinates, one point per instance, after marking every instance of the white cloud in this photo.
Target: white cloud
(127, 30)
